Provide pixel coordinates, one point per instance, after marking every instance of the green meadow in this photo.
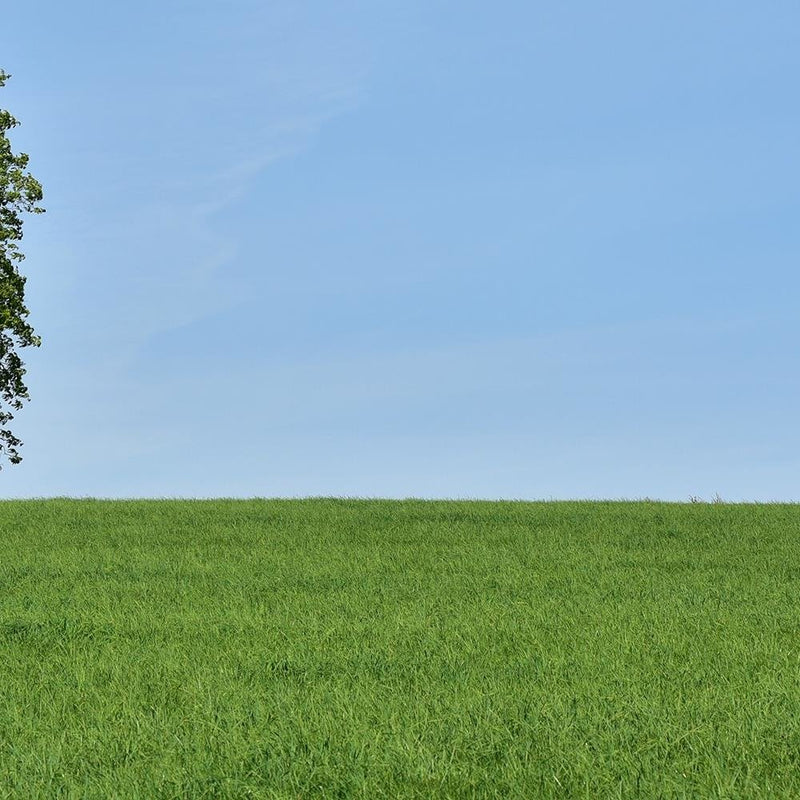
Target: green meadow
(398, 649)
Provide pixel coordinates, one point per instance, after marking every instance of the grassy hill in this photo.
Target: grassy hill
(381, 649)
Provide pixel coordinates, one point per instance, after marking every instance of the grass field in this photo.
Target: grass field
(381, 649)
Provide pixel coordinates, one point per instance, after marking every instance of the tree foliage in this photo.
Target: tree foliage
(20, 193)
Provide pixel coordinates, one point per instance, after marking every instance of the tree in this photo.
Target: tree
(20, 193)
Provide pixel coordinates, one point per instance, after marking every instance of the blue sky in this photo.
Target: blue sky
(507, 250)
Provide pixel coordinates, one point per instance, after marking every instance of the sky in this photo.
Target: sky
(499, 250)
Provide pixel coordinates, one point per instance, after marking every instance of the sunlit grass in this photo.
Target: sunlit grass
(335, 648)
